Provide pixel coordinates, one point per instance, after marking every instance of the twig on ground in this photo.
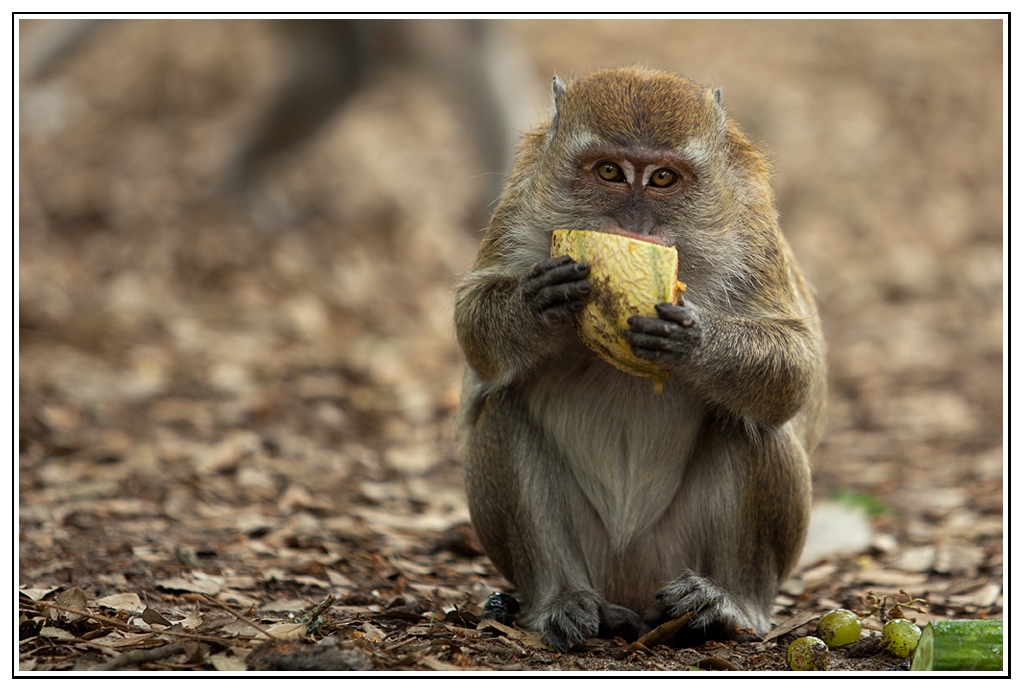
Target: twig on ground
(140, 656)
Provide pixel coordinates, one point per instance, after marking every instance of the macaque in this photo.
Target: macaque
(324, 64)
(610, 507)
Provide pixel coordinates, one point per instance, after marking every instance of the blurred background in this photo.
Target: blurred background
(227, 325)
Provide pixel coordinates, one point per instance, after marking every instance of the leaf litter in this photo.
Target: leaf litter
(221, 427)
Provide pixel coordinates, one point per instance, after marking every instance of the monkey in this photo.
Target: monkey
(324, 65)
(612, 508)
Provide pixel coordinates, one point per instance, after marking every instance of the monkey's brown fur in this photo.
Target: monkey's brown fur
(611, 507)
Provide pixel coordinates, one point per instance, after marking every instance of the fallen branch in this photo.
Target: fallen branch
(140, 656)
(102, 619)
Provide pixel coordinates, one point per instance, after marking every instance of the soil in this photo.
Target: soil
(221, 424)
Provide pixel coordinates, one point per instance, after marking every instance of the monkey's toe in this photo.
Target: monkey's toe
(620, 621)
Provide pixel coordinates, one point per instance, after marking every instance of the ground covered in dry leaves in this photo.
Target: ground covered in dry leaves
(221, 426)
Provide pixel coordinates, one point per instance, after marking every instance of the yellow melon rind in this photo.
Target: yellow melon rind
(628, 277)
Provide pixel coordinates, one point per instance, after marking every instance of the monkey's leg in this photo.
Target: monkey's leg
(749, 539)
(325, 63)
(54, 40)
(537, 526)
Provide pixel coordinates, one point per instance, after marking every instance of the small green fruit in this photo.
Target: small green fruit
(900, 637)
(808, 653)
(838, 628)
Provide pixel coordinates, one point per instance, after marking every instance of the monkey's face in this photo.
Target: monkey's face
(635, 189)
(638, 152)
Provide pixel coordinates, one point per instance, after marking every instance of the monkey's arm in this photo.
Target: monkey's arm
(761, 369)
(506, 325)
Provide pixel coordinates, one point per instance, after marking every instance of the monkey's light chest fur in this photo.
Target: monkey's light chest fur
(616, 450)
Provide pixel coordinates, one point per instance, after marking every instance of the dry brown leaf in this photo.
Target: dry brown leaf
(198, 583)
(883, 578)
(510, 632)
(227, 661)
(982, 598)
(131, 639)
(192, 621)
(36, 594)
(57, 633)
(287, 605)
(288, 630)
(73, 599)
(915, 558)
(534, 640)
(435, 664)
(152, 617)
(372, 633)
(226, 454)
(128, 602)
(790, 624)
(240, 628)
(195, 652)
(665, 630)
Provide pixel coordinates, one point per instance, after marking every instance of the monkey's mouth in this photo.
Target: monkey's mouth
(652, 237)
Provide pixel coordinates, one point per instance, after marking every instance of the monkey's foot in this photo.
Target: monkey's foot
(568, 619)
(621, 621)
(718, 612)
(573, 617)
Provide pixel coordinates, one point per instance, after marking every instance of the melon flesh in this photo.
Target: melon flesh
(628, 277)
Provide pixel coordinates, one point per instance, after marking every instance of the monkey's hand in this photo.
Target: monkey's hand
(507, 325)
(720, 356)
(556, 288)
(717, 612)
(669, 338)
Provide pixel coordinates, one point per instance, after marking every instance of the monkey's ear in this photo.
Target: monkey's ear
(558, 89)
(713, 100)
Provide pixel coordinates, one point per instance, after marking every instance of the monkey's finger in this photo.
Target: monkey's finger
(573, 271)
(653, 326)
(682, 315)
(556, 641)
(563, 294)
(659, 340)
(563, 262)
(569, 278)
(570, 620)
(655, 356)
(649, 347)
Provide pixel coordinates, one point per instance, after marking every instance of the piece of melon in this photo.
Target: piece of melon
(628, 277)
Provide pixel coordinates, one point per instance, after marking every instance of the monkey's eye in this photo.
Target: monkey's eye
(610, 172)
(663, 177)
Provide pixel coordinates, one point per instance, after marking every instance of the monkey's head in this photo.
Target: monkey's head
(638, 108)
(643, 152)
